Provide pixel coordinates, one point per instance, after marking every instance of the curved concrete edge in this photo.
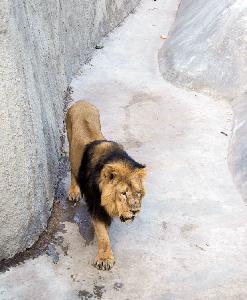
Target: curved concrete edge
(42, 47)
(206, 51)
(237, 156)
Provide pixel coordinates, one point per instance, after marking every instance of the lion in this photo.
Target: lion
(111, 182)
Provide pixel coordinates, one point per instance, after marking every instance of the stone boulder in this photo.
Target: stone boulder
(207, 51)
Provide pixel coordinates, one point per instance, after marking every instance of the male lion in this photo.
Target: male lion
(110, 180)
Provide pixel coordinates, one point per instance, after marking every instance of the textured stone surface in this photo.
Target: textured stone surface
(43, 44)
(207, 51)
(207, 46)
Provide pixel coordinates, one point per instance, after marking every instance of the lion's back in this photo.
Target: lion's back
(84, 120)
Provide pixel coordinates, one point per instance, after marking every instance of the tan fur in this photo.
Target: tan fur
(105, 259)
(83, 127)
(125, 179)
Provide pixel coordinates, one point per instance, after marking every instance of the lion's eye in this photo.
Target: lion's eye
(124, 194)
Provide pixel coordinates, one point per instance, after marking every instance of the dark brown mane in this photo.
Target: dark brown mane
(89, 174)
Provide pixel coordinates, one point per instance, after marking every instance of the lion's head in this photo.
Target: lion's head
(122, 189)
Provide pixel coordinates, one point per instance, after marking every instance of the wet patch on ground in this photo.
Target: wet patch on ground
(62, 211)
(117, 286)
(97, 293)
(85, 295)
(41, 246)
(164, 225)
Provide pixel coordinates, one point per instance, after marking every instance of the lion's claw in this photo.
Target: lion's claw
(74, 197)
(104, 264)
(74, 194)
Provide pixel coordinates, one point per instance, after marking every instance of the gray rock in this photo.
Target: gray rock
(43, 43)
(207, 51)
(207, 46)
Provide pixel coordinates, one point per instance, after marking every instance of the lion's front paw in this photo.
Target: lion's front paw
(74, 193)
(104, 263)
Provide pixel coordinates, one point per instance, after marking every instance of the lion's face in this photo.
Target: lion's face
(128, 198)
(122, 190)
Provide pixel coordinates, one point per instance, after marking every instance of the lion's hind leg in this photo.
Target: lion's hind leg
(74, 193)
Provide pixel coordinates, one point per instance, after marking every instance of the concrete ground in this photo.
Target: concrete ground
(190, 240)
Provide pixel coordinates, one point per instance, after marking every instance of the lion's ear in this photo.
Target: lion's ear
(109, 173)
(142, 172)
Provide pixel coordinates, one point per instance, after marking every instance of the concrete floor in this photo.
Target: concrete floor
(190, 240)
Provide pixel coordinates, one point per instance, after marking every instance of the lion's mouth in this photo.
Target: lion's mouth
(127, 219)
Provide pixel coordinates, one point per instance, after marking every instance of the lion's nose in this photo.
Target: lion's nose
(135, 211)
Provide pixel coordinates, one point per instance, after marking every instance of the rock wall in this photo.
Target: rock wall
(207, 51)
(43, 43)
